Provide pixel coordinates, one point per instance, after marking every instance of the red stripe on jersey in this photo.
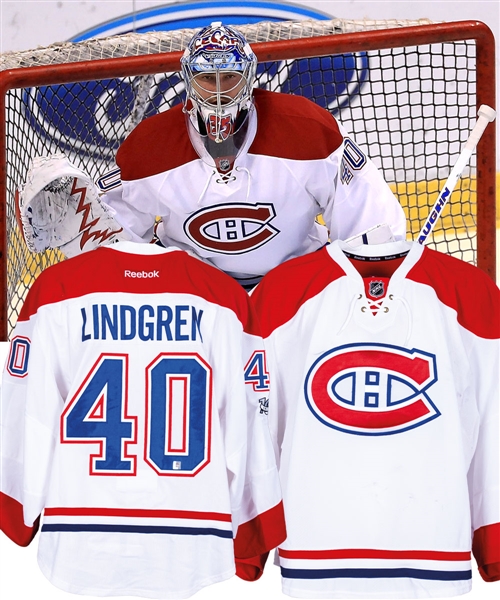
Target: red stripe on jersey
(363, 553)
(263, 533)
(486, 550)
(276, 301)
(142, 513)
(103, 270)
(464, 288)
(12, 521)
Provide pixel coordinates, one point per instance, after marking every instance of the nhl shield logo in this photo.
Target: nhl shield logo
(372, 389)
(223, 164)
(376, 289)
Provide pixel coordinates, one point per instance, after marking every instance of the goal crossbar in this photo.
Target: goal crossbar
(284, 50)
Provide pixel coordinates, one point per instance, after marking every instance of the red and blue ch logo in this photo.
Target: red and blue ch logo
(372, 389)
(234, 228)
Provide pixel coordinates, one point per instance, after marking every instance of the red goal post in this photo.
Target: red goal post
(408, 93)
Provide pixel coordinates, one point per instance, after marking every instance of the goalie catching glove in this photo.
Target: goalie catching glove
(59, 207)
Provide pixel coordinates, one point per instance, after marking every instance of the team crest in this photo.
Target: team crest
(234, 228)
(372, 389)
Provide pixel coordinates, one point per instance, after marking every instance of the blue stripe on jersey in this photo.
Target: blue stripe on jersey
(138, 529)
(375, 573)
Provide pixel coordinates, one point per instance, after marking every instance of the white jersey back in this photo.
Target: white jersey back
(128, 421)
(384, 410)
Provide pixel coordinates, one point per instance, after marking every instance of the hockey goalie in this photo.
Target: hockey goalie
(237, 174)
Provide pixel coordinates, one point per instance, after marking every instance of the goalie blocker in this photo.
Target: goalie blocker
(59, 207)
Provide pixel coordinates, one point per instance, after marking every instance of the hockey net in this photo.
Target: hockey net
(408, 91)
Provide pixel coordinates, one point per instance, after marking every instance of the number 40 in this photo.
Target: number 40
(177, 413)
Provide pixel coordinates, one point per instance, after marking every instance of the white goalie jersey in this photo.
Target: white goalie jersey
(384, 408)
(134, 403)
(240, 222)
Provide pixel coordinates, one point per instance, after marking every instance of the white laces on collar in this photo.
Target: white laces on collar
(375, 306)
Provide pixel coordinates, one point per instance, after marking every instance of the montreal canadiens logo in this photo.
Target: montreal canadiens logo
(372, 389)
(232, 228)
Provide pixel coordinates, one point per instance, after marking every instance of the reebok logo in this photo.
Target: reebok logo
(142, 274)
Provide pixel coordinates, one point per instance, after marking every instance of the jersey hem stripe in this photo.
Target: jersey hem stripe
(58, 527)
(137, 512)
(361, 553)
(375, 574)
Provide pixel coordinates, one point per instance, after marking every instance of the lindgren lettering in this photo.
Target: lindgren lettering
(146, 322)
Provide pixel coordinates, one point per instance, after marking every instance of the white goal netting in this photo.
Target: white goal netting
(406, 90)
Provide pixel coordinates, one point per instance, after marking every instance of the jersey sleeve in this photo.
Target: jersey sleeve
(258, 517)
(13, 404)
(143, 194)
(362, 198)
(123, 203)
(252, 568)
(28, 427)
(484, 470)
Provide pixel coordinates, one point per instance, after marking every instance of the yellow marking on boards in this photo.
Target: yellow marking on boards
(459, 214)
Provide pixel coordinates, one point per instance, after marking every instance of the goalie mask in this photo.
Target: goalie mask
(218, 68)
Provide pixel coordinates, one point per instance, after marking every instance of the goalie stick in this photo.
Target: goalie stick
(486, 115)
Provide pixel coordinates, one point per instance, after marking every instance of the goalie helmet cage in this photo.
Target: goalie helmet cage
(408, 92)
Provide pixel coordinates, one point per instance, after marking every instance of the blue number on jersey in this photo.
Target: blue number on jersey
(178, 414)
(97, 414)
(17, 362)
(256, 372)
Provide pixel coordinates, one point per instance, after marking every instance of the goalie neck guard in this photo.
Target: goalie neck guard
(218, 67)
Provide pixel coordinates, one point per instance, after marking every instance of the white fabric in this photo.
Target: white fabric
(146, 452)
(264, 212)
(378, 503)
